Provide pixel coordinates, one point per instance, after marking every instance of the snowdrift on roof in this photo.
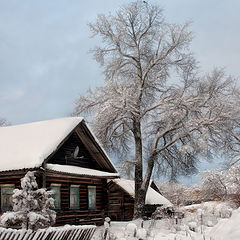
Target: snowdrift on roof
(28, 145)
(152, 197)
(80, 170)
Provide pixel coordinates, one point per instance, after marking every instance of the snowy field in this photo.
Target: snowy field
(207, 221)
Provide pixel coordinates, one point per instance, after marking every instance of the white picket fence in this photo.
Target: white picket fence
(53, 233)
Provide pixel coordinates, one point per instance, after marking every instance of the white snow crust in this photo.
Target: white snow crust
(191, 227)
(28, 145)
(152, 197)
(227, 228)
(80, 170)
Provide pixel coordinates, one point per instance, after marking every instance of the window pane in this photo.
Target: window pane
(92, 197)
(74, 197)
(6, 197)
(56, 196)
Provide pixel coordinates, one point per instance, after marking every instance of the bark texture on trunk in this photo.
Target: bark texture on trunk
(139, 191)
(139, 204)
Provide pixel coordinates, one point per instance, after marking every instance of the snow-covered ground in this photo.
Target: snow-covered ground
(207, 221)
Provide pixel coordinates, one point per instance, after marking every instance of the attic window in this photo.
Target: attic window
(6, 196)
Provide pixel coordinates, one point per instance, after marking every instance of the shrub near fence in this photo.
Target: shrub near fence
(53, 233)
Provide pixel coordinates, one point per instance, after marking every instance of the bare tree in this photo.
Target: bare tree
(214, 184)
(167, 123)
(4, 122)
(222, 184)
(178, 194)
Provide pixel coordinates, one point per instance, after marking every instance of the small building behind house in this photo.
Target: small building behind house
(121, 199)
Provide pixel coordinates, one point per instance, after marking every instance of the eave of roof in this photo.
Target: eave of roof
(80, 171)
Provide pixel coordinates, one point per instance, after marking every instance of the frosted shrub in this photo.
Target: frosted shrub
(31, 206)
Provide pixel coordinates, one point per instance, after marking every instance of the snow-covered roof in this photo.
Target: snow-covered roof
(80, 171)
(28, 145)
(152, 197)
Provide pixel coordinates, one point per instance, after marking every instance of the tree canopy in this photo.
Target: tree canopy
(153, 104)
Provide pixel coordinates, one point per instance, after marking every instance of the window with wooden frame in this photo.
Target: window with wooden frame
(56, 189)
(91, 197)
(6, 196)
(74, 197)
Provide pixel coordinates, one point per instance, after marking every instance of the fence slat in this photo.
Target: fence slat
(53, 233)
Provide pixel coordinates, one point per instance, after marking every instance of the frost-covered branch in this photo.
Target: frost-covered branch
(140, 112)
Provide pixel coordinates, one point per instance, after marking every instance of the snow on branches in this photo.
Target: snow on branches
(153, 101)
(222, 184)
(31, 206)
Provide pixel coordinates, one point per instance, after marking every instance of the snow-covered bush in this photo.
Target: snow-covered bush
(31, 206)
(131, 230)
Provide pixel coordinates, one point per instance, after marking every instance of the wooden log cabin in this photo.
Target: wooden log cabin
(121, 199)
(66, 158)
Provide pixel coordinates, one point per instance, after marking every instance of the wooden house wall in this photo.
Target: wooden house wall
(65, 215)
(120, 203)
(83, 215)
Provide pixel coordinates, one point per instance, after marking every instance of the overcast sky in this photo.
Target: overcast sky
(44, 44)
(44, 59)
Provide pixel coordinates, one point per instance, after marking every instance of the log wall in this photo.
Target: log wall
(65, 215)
(120, 203)
(83, 215)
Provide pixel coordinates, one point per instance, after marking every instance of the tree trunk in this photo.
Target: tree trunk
(139, 191)
(139, 203)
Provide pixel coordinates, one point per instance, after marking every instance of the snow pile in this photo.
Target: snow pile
(31, 206)
(200, 217)
(131, 230)
(211, 209)
(202, 221)
(152, 197)
(227, 228)
(135, 231)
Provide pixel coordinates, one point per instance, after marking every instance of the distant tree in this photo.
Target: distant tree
(140, 110)
(4, 122)
(222, 184)
(233, 179)
(178, 194)
(214, 184)
(31, 206)
(230, 144)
